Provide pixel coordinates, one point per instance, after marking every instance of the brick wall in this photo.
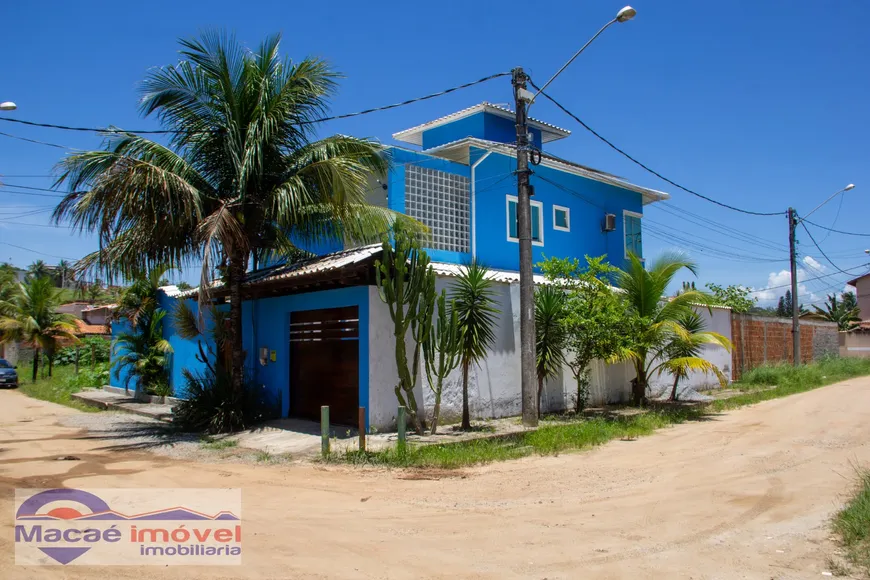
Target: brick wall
(763, 339)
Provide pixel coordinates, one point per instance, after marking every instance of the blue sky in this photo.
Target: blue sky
(758, 104)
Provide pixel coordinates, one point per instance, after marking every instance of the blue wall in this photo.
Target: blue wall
(586, 199)
(267, 324)
(480, 125)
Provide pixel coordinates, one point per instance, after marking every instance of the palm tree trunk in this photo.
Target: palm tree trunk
(674, 390)
(540, 390)
(35, 362)
(50, 365)
(466, 416)
(638, 387)
(235, 274)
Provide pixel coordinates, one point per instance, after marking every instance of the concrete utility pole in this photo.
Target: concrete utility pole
(795, 304)
(524, 233)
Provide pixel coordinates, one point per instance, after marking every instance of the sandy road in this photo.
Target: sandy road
(745, 495)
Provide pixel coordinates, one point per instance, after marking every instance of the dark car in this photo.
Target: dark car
(8, 374)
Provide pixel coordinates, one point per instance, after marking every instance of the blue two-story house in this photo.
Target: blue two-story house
(317, 333)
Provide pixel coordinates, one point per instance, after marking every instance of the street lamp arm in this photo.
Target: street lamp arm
(835, 194)
(567, 64)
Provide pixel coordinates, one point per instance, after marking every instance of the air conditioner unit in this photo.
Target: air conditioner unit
(609, 222)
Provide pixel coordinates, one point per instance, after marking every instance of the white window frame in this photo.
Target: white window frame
(627, 213)
(507, 211)
(567, 211)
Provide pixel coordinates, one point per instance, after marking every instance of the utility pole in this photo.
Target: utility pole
(795, 307)
(524, 233)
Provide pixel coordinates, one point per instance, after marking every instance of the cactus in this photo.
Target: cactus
(441, 351)
(406, 283)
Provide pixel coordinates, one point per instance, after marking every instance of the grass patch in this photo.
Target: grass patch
(264, 456)
(216, 444)
(56, 389)
(547, 440)
(852, 524)
(565, 433)
(787, 380)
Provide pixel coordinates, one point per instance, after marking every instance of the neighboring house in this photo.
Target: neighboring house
(317, 332)
(99, 315)
(74, 308)
(862, 293)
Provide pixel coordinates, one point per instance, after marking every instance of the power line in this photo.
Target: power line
(808, 279)
(16, 192)
(39, 142)
(114, 130)
(656, 173)
(835, 231)
(36, 251)
(709, 224)
(816, 244)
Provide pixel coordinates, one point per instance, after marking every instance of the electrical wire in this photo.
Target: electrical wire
(808, 279)
(37, 251)
(833, 230)
(16, 192)
(647, 168)
(39, 142)
(816, 244)
(836, 217)
(112, 130)
(708, 224)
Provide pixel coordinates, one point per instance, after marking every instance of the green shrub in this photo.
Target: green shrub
(100, 347)
(86, 377)
(213, 406)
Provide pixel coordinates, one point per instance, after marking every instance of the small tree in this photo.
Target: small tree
(681, 354)
(441, 352)
(406, 283)
(550, 335)
(735, 297)
(597, 324)
(475, 308)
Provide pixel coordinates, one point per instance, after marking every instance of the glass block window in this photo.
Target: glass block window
(441, 201)
(633, 242)
(537, 221)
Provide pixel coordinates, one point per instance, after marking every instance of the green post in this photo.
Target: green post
(324, 431)
(400, 425)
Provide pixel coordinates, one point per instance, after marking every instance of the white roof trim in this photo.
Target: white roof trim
(547, 160)
(414, 135)
(507, 276)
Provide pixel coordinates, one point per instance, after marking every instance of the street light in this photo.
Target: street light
(8, 106)
(793, 222)
(623, 15)
(524, 99)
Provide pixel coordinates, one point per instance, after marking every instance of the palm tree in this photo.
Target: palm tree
(29, 315)
(550, 334)
(65, 272)
(644, 292)
(844, 312)
(143, 352)
(38, 269)
(141, 296)
(474, 303)
(681, 354)
(241, 179)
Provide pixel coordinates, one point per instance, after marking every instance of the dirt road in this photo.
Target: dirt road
(745, 495)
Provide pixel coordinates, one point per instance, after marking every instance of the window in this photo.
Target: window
(631, 225)
(561, 218)
(441, 201)
(537, 221)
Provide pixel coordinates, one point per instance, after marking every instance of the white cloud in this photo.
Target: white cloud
(779, 282)
(814, 264)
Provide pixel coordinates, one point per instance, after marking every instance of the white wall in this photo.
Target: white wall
(383, 375)
(494, 385)
(719, 321)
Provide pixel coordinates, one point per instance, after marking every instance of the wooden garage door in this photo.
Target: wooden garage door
(324, 364)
